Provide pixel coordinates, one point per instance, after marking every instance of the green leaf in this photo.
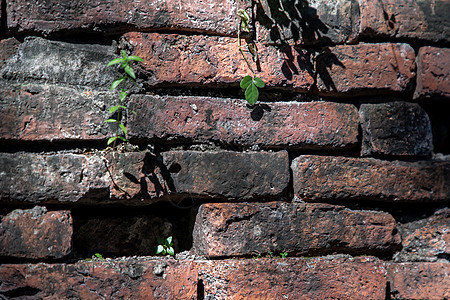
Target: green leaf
(124, 54)
(110, 121)
(113, 109)
(124, 129)
(246, 81)
(133, 112)
(112, 139)
(258, 82)
(123, 95)
(116, 83)
(159, 249)
(130, 71)
(136, 58)
(115, 61)
(169, 241)
(122, 138)
(245, 18)
(170, 251)
(251, 94)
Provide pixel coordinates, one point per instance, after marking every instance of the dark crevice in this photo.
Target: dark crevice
(200, 290)
(20, 292)
(3, 18)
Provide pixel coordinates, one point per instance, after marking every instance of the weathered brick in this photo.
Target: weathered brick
(364, 69)
(419, 280)
(323, 125)
(395, 128)
(42, 60)
(105, 279)
(53, 112)
(76, 178)
(307, 22)
(114, 16)
(294, 278)
(8, 47)
(196, 60)
(36, 233)
(238, 229)
(226, 174)
(327, 178)
(433, 73)
(426, 239)
(411, 19)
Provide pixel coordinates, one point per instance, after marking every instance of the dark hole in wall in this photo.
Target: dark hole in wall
(128, 231)
(438, 110)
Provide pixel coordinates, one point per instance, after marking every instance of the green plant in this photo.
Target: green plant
(283, 254)
(126, 64)
(249, 83)
(97, 256)
(165, 246)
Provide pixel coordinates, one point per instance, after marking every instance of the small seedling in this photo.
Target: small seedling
(125, 63)
(97, 256)
(250, 85)
(165, 246)
(283, 254)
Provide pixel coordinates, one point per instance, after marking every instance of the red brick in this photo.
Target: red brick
(105, 279)
(307, 22)
(323, 125)
(196, 60)
(226, 229)
(319, 178)
(294, 278)
(395, 128)
(36, 233)
(426, 239)
(114, 16)
(433, 73)
(227, 175)
(405, 19)
(53, 113)
(419, 280)
(8, 47)
(365, 69)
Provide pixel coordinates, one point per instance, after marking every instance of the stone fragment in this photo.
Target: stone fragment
(406, 19)
(294, 278)
(8, 47)
(312, 125)
(36, 234)
(47, 112)
(419, 280)
(171, 59)
(241, 229)
(42, 60)
(226, 174)
(115, 17)
(433, 73)
(325, 178)
(395, 128)
(426, 239)
(120, 278)
(365, 69)
(307, 22)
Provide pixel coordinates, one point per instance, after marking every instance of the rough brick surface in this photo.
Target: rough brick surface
(36, 233)
(7, 48)
(307, 22)
(106, 279)
(294, 278)
(52, 112)
(48, 61)
(195, 60)
(349, 70)
(412, 19)
(395, 128)
(226, 174)
(328, 178)
(419, 280)
(114, 16)
(223, 230)
(426, 239)
(323, 125)
(433, 73)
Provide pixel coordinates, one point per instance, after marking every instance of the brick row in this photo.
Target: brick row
(136, 178)
(223, 230)
(313, 125)
(325, 178)
(114, 16)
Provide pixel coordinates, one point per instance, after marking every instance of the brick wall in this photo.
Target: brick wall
(343, 164)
